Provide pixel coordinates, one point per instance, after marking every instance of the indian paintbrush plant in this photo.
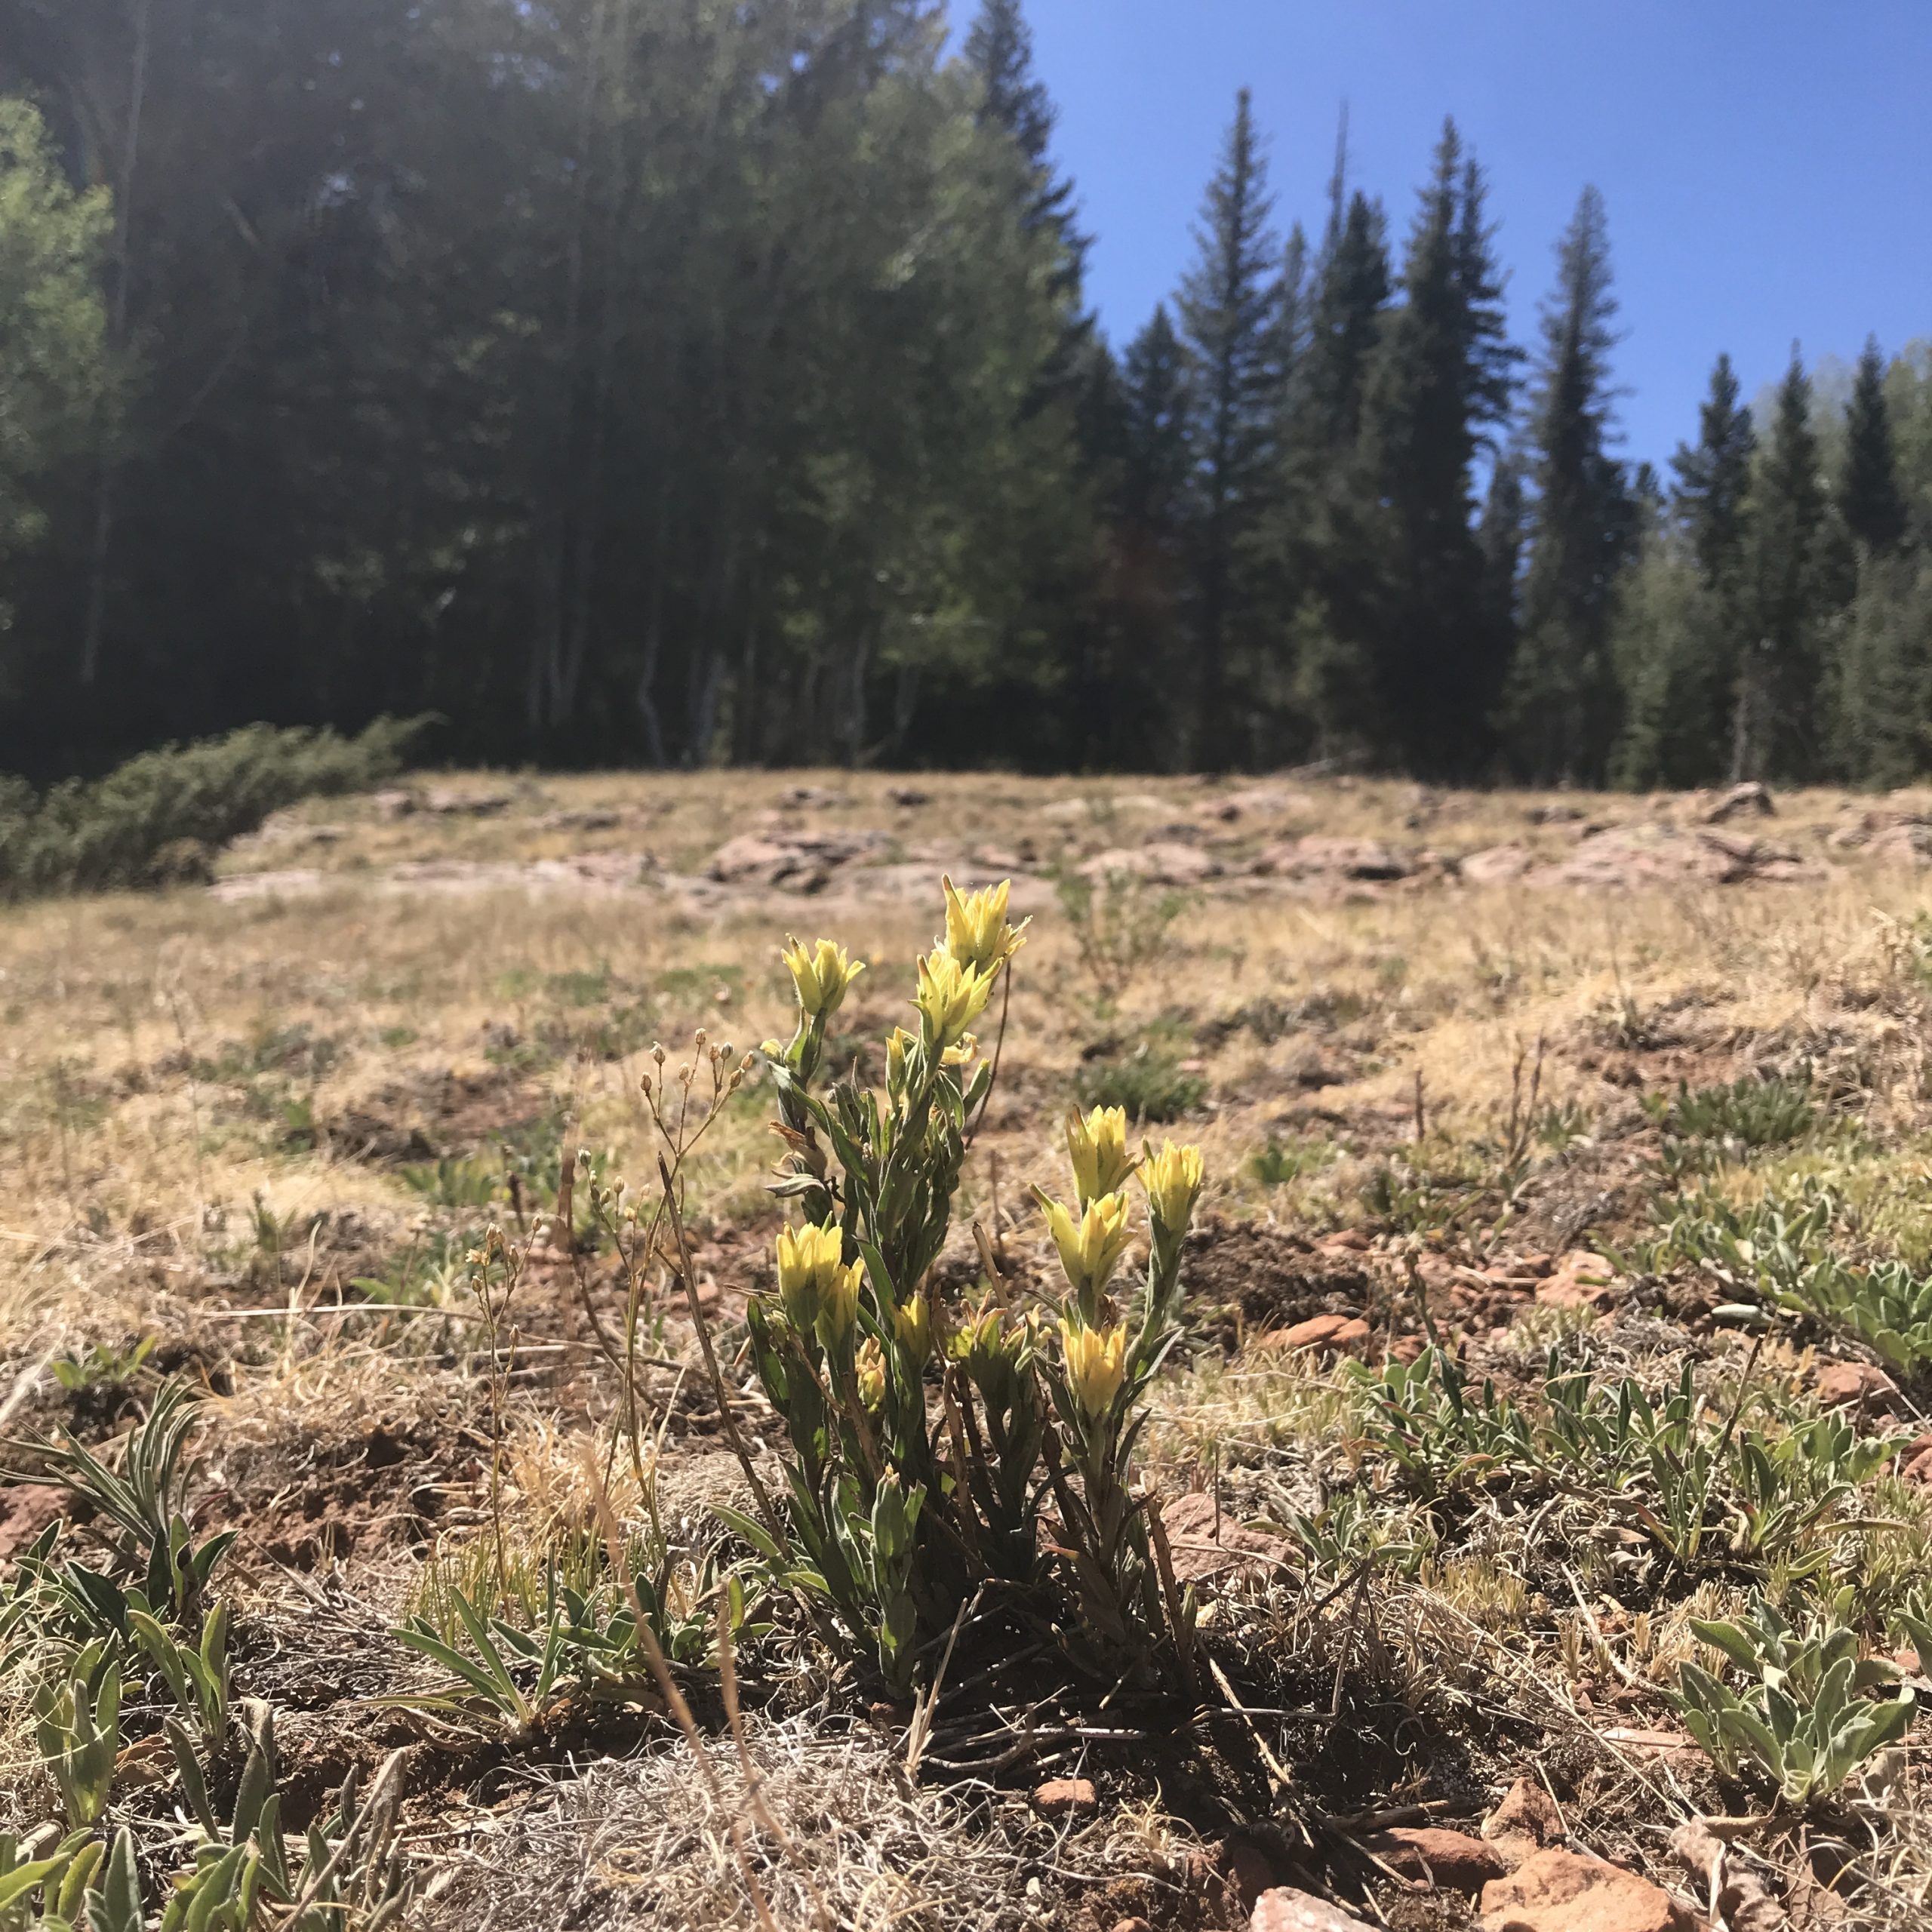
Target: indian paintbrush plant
(920, 1445)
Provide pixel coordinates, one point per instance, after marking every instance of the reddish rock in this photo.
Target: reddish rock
(1562, 1891)
(1202, 1547)
(1132, 1925)
(1579, 1280)
(26, 1509)
(1062, 1798)
(1245, 1870)
(1839, 1383)
(1915, 1460)
(1525, 1821)
(1283, 1909)
(1320, 1331)
(1451, 1861)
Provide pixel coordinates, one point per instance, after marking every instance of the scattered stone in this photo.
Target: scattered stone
(908, 795)
(1495, 865)
(1451, 1861)
(1203, 1547)
(1562, 1891)
(1340, 1332)
(1063, 1797)
(812, 798)
(1750, 800)
(1284, 1909)
(1841, 1384)
(393, 804)
(1579, 1280)
(1526, 1823)
(1166, 862)
(1132, 1925)
(1915, 1460)
(1319, 853)
(802, 862)
(1557, 814)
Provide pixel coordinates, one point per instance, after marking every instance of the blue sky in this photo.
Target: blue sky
(1767, 164)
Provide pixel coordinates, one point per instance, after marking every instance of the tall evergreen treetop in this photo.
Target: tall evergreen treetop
(1562, 700)
(1714, 478)
(1229, 306)
(1441, 381)
(1869, 496)
(1352, 290)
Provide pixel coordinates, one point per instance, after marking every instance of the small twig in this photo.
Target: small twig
(1278, 1778)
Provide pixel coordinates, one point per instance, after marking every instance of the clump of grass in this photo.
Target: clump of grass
(1148, 1084)
(159, 817)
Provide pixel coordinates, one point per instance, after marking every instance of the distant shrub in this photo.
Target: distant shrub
(1149, 1085)
(158, 819)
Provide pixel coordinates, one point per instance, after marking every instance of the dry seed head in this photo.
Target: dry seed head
(698, 1038)
(657, 1052)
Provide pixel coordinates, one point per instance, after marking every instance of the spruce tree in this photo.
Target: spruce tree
(1229, 302)
(1683, 641)
(1869, 499)
(1773, 733)
(1322, 537)
(1714, 478)
(1561, 704)
(1441, 381)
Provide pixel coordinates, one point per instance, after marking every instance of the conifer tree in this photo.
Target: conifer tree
(1773, 732)
(1869, 499)
(1500, 543)
(1714, 478)
(1229, 303)
(1561, 704)
(999, 49)
(1683, 632)
(1321, 539)
(1441, 380)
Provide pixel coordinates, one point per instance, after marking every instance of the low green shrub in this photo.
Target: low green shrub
(156, 819)
(1799, 1716)
(1147, 1084)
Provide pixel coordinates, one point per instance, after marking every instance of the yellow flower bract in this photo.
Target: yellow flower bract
(1095, 1365)
(1097, 1147)
(1091, 1247)
(977, 934)
(951, 996)
(821, 973)
(1172, 1178)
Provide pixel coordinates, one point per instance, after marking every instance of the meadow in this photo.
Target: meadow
(1518, 1512)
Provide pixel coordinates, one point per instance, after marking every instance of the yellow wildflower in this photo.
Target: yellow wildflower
(911, 1324)
(1172, 1178)
(871, 1368)
(951, 996)
(821, 974)
(1091, 1247)
(808, 1257)
(977, 934)
(839, 1304)
(1095, 1365)
(1097, 1148)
